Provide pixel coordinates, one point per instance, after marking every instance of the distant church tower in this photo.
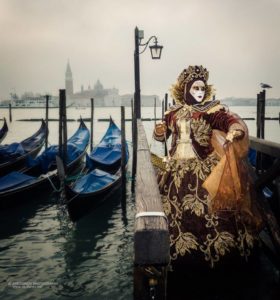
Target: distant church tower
(68, 80)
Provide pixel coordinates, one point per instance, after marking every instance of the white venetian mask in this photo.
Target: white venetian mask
(197, 90)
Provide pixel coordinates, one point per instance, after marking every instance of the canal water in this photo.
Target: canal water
(43, 255)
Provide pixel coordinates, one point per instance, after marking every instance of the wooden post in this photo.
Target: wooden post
(260, 127)
(165, 106)
(258, 133)
(10, 112)
(162, 110)
(91, 123)
(123, 159)
(60, 124)
(47, 120)
(166, 102)
(258, 116)
(151, 236)
(155, 110)
(137, 93)
(134, 154)
(262, 113)
(64, 124)
(62, 127)
(132, 113)
(61, 176)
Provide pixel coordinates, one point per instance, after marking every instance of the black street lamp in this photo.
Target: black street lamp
(155, 53)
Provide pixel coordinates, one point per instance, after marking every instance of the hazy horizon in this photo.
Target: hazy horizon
(237, 41)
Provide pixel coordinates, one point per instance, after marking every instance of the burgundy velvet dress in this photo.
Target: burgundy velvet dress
(197, 233)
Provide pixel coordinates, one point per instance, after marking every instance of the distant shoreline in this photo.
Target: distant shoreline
(228, 102)
(27, 107)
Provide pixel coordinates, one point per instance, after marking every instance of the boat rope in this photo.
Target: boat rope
(48, 176)
(53, 186)
(73, 179)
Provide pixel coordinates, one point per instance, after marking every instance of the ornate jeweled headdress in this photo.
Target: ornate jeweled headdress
(193, 73)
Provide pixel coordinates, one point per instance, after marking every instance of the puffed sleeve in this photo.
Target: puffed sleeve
(225, 121)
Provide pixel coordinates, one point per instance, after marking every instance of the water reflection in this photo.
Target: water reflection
(97, 251)
(13, 220)
(91, 259)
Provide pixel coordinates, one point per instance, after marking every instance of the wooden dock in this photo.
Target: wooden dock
(151, 237)
(267, 175)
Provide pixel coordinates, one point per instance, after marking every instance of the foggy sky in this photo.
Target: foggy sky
(237, 40)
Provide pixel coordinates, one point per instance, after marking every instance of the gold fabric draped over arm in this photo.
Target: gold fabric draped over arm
(229, 184)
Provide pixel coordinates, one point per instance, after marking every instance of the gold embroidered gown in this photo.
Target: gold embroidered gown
(205, 225)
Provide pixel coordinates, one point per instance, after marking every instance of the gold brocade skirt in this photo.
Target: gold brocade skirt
(195, 233)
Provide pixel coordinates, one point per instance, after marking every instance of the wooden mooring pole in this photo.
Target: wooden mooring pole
(60, 124)
(162, 110)
(166, 102)
(123, 159)
(91, 123)
(47, 120)
(262, 114)
(10, 112)
(260, 126)
(165, 109)
(132, 113)
(151, 236)
(155, 110)
(62, 127)
(258, 117)
(64, 124)
(134, 152)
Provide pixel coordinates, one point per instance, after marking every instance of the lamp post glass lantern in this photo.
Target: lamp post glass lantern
(155, 53)
(156, 50)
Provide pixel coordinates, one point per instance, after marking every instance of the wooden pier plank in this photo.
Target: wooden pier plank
(264, 146)
(151, 240)
(269, 176)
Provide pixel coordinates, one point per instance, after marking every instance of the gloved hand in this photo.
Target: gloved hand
(234, 134)
(160, 129)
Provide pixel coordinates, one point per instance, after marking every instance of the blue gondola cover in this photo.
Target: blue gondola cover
(13, 180)
(14, 151)
(75, 146)
(108, 151)
(94, 181)
(11, 151)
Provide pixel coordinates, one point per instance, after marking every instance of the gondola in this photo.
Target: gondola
(101, 177)
(13, 156)
(41, 174)
(107, 154)
(3, 130)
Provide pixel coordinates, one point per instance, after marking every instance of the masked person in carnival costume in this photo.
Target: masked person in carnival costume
(204, 182)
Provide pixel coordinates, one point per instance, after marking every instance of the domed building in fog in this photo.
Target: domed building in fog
(101, 95)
